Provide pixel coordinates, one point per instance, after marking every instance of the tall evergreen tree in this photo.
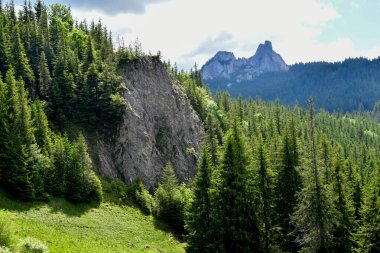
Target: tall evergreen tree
(17, 177)
(344, 216)
(266, 191)
(41, 125)
(44, 89)
(4, 48)
(20, 61)
(289, 183)
(235, 213)
(369, 233)
(199, 219)
(312, 217)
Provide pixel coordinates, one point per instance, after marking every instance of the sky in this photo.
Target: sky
(189, 31)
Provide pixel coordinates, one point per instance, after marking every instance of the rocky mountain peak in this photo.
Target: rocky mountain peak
(224, 65)
(224, 57)
(265, 48)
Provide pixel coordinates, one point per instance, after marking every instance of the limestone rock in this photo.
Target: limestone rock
(159, 126)
(224, 65)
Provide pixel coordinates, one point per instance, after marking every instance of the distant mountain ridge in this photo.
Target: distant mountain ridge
(341, 86)
(226, 65)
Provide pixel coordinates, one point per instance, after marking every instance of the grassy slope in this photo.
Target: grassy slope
(65, 227)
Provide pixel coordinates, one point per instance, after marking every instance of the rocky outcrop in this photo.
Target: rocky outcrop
(224, 65)
(158, 126)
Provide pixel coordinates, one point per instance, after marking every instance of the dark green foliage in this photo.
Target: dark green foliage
(288, 184)
(171, 199)
(20, 61)
(344, 217)
(313, 216)
(4, 48)
(265, 187)
(199, 218)
(44, 88)
(236, 225)
(369, 232)
(34, 162)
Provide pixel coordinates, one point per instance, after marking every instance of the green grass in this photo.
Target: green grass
(111, 228)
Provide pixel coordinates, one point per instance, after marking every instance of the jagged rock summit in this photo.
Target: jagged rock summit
(224, 65)
(159, 126)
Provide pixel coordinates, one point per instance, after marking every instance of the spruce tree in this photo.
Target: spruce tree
(266, 191)
(234, 211)
(4, 48)
(199, 218)
(4, 129)
(369, 233)
(289, 183)
(41, 125)
(313, 214)
(17, 177)
(20, 61)
(344, 217)
(44, 88)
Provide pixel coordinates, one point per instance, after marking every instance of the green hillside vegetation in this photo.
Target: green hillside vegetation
(271, 177)
(66, 227)
(278, 178)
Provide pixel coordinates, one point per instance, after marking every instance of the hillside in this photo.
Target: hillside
(67, 228)
(344, 86)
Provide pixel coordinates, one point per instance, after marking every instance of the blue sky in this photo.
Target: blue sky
(359, 21)
(188, 31)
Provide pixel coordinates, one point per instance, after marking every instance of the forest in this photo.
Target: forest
(347, 86)
(271, 177)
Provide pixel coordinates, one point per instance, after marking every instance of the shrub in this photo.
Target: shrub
(6, 234)
(93, 187)
(143, 198)
(32, 245)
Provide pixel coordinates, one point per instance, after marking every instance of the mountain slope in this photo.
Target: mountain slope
(66, 227)
(345, 85)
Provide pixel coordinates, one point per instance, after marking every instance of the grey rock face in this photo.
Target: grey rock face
(225, 65)
(159, 126)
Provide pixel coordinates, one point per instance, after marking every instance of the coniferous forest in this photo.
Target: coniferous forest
(270, 178)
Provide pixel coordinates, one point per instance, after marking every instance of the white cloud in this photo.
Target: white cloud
(188, 31)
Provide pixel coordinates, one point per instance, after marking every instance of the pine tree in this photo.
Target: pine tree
(235, 214)
(199, 218)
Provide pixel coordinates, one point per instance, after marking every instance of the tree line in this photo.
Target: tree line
(274, 178)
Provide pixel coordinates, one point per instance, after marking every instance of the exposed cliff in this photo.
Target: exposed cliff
(159, 126)
(224, 65)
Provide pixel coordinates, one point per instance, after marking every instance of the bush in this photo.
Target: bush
(143, 198)
(6, 234)
(93, 187)
(31, 245)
